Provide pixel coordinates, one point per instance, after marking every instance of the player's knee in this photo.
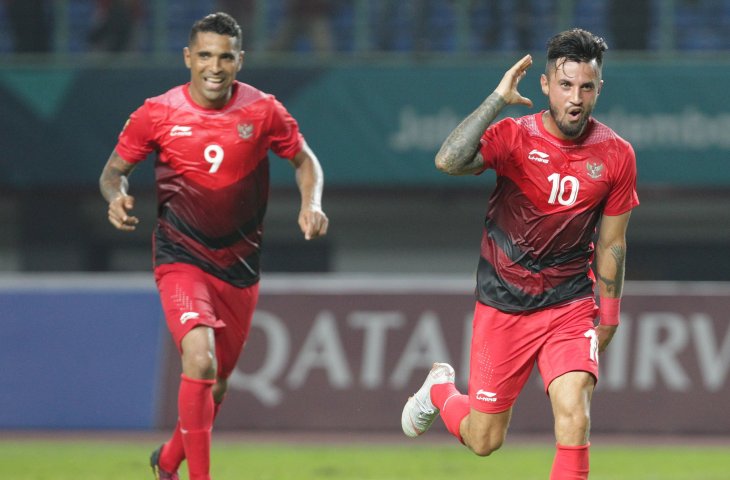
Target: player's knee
(199, 364)
(198, 353)
(486, 446)
(574, 425)
(484, 434)
(484, 442)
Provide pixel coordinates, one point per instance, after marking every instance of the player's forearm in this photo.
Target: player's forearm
(114, 181)
(112, 184)
(310, 181)
(458, 153)
(610, 267)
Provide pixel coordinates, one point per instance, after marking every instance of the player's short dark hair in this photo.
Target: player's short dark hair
(575, 45)
(220, 23)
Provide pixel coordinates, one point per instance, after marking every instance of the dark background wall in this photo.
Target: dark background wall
(375, 129)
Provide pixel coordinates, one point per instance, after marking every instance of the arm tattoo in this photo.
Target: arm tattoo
(113, 181)
(615, 285)
(458, 152)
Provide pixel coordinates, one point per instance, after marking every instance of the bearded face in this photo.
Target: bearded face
(572, 89)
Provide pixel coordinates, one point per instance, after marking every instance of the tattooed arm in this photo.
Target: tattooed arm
(113, 184)
(459, 154)
(610, 263)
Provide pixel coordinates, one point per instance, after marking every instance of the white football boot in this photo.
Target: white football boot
(419, 413)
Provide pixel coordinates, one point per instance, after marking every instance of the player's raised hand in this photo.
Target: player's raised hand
(313, 222)
(507, 88)
(119, 209)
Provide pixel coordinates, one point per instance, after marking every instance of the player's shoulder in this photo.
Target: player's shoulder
(601, 133)
(526, 124)
(247, 95)
(513, 128)
(173, 98)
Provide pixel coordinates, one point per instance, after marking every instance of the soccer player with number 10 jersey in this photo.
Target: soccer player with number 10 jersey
(561, 175)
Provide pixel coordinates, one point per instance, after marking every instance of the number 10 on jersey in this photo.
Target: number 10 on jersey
(564, 190)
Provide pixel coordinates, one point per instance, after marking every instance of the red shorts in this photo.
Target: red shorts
(505, 346)
(191, 297)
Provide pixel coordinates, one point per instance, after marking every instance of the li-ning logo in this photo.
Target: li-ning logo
(538, 156)
(188, 316)
(181, 131)
(485, 396)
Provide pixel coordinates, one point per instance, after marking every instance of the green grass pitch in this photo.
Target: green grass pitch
(80, 459)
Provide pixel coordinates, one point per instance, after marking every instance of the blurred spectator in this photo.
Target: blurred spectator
(308, 20)
(115, 24)
(30, 22)
(418, 16)
(499, 22)
(630, 24)
(244, 11)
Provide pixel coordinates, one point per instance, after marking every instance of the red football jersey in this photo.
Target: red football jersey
(212, 175)
(537, 244)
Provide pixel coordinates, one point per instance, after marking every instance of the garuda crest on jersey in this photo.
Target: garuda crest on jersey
(245, 131)
(595, 168)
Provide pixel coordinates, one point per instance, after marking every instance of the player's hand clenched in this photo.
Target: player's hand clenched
(605, 334)
(119, 213)
(313, 223)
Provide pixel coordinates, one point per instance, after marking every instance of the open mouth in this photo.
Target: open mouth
(574, 114)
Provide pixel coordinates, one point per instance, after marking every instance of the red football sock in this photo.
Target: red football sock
(571, 463)
(453, 405)
(173, 453)
(195, 408)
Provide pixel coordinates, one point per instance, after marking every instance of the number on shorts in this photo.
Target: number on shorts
(594, 344)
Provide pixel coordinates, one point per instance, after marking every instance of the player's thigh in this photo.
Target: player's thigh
(187, 299)
(503, 352)
(571, 344)
(571, 393)
(236, 307)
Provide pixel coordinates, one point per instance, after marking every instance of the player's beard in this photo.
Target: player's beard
(570, 130)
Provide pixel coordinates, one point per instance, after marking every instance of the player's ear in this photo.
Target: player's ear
(544, 84)
(186, 56)
(241, 54)
(600, 87)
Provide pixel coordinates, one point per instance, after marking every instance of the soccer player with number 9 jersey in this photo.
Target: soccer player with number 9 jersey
(561, 175)
(211, 138)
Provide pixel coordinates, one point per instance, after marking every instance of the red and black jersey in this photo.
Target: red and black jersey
(212, 175)
(537, 245)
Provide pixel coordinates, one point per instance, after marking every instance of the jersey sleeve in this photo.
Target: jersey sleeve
(496, 144)
(135, 141)
(623, 196)
(286, 140)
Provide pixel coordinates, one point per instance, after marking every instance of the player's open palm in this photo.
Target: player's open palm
(507, 88)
